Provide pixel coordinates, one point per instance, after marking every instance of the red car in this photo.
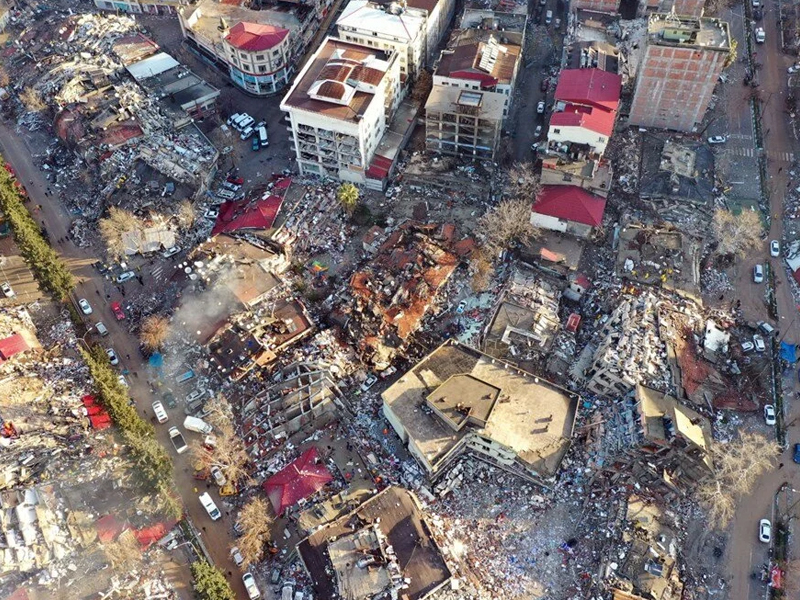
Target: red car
(235, 180)
(117, 310)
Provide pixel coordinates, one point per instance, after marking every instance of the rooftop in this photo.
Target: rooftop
(570, 203)
(693, 32)
(589, 86)
(683, 170)
(588, 117)
(532, 417)
(374, 17)
(395, 516)
(453, 100)
(254, 37)
(205, 17)
(339, 81)
(486, 61)
(133, 48)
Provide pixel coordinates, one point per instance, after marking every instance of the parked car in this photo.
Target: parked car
(793, 69)
(158, 410)
(461, 307)
(226, 194)
(86, 308)
(176, 437)
(233, 187)
(122, 380)
(765, 531)
(219, 476)
(545, 85)
(126, 276)
(540, 107)
(169, 398)
(717, 139)
(548, 17)
(256, 145)
(769, 414)
(368, 382)
(537, 132)
(759, 343)
(796, 455)
(234, 180)
(765, 328)
(774, 248)
(557, 23)
(211, 508)
(237, 557)
(758, 274)
(195, 395)
(747, 346)
(112, 356)
(7, 291)
(250, 586)
(101, 328)
(117, 310)
(761, 35)
(211, 214)
(171, 251)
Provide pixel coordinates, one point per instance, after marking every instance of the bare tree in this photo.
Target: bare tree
(228, 452)
(737, 234)
(737, 467)
(509, 222)
(186, 214)
(482, 271)
(523, 182)
(154, 331)
(4, 78)
(32, 100)
(112, 227)
(422, 87)
(256, 522)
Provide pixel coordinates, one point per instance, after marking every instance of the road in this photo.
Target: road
(92, 286)
(746, 553)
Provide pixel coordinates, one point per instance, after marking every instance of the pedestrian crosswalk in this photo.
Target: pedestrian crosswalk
(751, 152)
(780, 156)
(787, 157)
(158, 273)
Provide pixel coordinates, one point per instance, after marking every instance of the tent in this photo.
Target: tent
(296, 481)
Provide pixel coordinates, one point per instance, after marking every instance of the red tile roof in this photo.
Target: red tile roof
(260, 215)
(595, 119)
(570, 203)
(254, 37)
(589, 86)
(296, 481)
(12, 345)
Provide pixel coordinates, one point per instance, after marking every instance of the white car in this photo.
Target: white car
(537, 132)
(368, 383)
(211, 214)
(126, 276)
(758, 274)
(237, 557)
(769, 414)
(219, 476)
(85, 306)
(747, 346)
(7, 291)
(717, 139)
(158, 410)
(793, 69)
(774, 248)
(761, 35)
(759, 343)
(250, 585)
(172, 251)
(112, 356)
(540, 107)
(122, 380)
(765, 531)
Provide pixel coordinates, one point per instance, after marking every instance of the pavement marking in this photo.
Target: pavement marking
(751, 152)
(157, 272)
(781, 156)
(739, 136)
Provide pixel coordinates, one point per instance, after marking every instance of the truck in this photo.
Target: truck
(176, 437)
(197, 425)
(185, 377)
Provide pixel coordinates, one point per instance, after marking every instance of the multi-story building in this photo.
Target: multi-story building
(461, 122)
(683, 59)
(438, 14)
(476, 60)
(151, 7)
(339, 107)
(388, 27)
(258, 48)
(629, 10)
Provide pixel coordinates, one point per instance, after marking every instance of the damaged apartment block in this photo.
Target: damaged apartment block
(460, 401)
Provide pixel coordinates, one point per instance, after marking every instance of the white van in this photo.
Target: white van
(232, 119)
(247, 133)
(211, 508)
(247, 122)
(237, 124)
(197, 425)
(262, 136)
(250, 586)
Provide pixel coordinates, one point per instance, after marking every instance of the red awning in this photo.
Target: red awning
(296, 481)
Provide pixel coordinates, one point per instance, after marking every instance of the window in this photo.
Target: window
(601, 139)
(556, 131)
(259, 57)
(262, 69)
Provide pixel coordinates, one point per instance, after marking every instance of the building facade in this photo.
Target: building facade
(339, 106)
(683, 59)
(259, 57)
(151, 7)
(438, 14)
(464, 123)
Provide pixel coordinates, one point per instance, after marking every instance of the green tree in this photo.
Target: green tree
(210, 583)
(347, 195)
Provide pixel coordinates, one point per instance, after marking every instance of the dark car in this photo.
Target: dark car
(797, 453)
(545, 84)
(169, 399)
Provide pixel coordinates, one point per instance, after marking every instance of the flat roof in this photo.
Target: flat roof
(531, 416)
(152, 66)
(329, 74)
(204, 17)
(368, 16)
(401, 521)
(446, 100)
(666, 29)
(485, 60)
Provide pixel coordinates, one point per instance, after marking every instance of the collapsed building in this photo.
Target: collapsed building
(394, 292)
(460, 401)
(382, 549)
(648, 438)
(525, 320)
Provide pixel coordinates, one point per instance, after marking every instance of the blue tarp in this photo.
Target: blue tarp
(789, 352)
(156, 360)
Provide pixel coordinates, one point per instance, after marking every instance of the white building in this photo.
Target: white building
(439, 13)
(151, 7)
(387, 27)
(339, 107)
